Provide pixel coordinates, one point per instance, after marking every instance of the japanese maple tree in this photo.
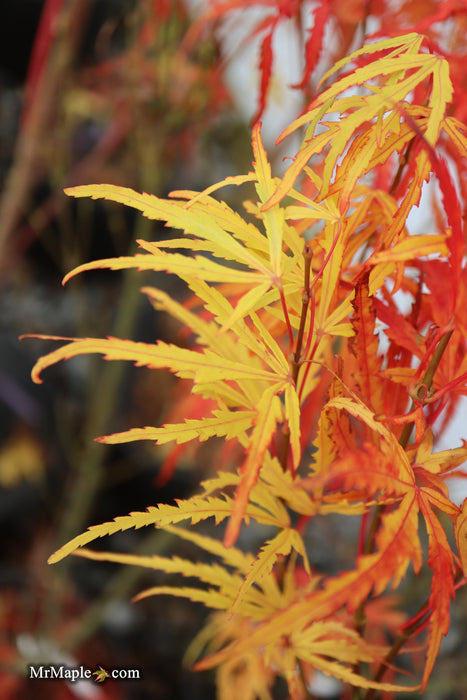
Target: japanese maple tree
(318, 416)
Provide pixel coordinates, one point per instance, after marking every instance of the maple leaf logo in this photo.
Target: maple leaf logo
(100, 675)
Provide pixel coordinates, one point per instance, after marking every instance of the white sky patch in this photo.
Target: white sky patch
(242, 76)
(420, 219)
(324, 686)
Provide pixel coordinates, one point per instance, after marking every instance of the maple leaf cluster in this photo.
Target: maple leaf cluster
(326, 31)
(288, 308)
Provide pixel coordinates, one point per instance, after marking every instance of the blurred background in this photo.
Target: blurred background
(123, 92)
(92, 91)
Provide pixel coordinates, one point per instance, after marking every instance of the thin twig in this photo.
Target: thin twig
(297, 355)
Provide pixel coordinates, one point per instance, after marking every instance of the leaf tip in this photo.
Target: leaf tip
(54, 558)
(139, 596)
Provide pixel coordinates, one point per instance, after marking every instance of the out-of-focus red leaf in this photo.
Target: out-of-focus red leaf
(314, 43)
(43, 43)
(399, 329)
(265, 67)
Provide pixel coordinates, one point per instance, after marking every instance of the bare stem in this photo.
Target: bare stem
(297, 355)
(305, 303)
(286, 316)
(404, 159)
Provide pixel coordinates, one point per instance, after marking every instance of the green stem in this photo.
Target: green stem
(426, 381)
(119, 587)
(407, 431)
(88, 473)
(376, 521)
